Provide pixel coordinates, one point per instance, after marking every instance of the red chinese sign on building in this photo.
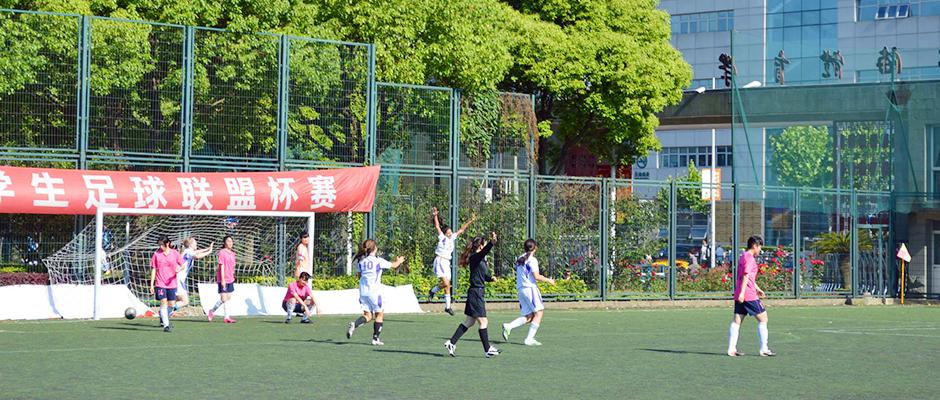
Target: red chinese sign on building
(62, 191)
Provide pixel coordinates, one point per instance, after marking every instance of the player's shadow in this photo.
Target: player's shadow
(673, 351)
(327, 341)
(127, 326)
(420, 353)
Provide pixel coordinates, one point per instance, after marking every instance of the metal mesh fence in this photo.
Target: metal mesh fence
(499, 202)
(414, 126)
(403, 217)
(639, 240)
(566, 228)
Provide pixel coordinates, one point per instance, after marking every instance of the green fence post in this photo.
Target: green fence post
(531, 195)
(283, 84)
(672, 239)
(186, 103)
(735, 232)
(84, 92)
(797, 246)
(604, 235)
(454, 175)
(371, 129)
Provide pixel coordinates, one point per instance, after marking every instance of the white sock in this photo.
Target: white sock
(516, 323)
(533, 328)
(762, 334)
(225, 309)
(733, 331)
(447, 300)
(290, 310)
(217, 305)
(164, 316)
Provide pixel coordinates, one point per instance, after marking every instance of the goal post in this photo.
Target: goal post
(101, 212)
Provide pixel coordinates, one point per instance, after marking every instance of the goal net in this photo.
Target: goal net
(264, 247)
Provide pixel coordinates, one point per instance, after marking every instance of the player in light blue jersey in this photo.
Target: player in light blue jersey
(190, 255)
(370, 269)
(530, 297)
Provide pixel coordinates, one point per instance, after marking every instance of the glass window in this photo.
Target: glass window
(792, 19)
(683, 161)
(792, 5)
(721, 160)
(904, 11)
(830, 16)
(882, 12)
(892, 12)
(936, 239)
(702, 160)
(774, 20)
(775, 6)
(936, 148)
(929, 8)
(810, 17)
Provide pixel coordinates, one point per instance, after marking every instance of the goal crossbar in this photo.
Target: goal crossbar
(102, 211)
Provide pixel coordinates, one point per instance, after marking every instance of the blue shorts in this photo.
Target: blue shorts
(297, 307)
(751, 308)
(164, 293)
(227, 288)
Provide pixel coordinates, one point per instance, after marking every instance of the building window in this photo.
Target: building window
(935, 160)
(700, 156)
(718, 21)
(876, 10)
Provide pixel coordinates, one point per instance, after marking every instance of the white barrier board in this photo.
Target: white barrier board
(251, 299)
(65, 301)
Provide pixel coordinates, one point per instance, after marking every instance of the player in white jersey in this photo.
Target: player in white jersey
(446, 241)
(190, 255)
(303, 261)
(370, 288)
(530, 298)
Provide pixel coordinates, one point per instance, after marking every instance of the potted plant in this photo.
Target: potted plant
(840, 243)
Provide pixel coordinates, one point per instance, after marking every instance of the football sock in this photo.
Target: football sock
(164, 316)
(516, 323)
(762, 334)
(434, 290)
(447, 300)
(217, 305)
(290, 309)
(225, 310)
(376, 330)
(458, 333)
(484, 338)
(359, 322)
(533, 328)
(733, 331)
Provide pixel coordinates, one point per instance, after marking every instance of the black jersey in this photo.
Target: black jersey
(479, 273)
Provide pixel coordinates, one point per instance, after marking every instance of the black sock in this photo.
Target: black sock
(458, 333)
(376, 330)
(360, 321)
(485, 339)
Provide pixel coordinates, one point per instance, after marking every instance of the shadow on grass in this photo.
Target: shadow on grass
(328, 341)
(674, 351)
(420, 353)
(127, 326)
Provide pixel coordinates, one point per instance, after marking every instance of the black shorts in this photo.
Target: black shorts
(751, 308)
(164, 293)
(297, 307)
(476, 306)
(228, 288)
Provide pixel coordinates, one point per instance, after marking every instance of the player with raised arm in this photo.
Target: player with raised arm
(530, 297)
(446, 241)
(303, 261)
(225, 276)
(370, 288)
(474, 256)
(165, 264)
(747, 299)
(190, 254)
(299, 299)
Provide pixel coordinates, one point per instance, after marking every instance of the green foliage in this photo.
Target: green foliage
(688, 193)
(840, 243)
(637, 229)
(802, 156)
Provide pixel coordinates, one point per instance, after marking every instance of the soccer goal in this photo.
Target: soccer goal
(116, 248)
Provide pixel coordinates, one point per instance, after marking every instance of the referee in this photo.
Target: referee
(474, 255)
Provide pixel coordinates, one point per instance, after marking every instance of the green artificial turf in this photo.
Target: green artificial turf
(824, 352)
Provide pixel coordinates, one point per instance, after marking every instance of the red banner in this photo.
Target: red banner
(64, 191)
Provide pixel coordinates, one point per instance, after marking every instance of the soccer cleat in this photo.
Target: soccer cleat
(287, 320)
(768, 353)
(532, 342)
(430, 296)
(350, 330)
(229, 321)
(377, 342)
(305, 321)
(449, 311)
(506, 332)
(735, 353)
(166, 329)
(209, 315)
(450, 348)
(492, 352)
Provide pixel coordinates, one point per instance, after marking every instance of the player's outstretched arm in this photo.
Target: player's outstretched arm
(467, 224)
(437, 222)
(398, 262)
(200, 254)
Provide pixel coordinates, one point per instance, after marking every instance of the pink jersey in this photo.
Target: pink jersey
(226, 271)
(747, 266)
(302, 292)
(165, 264)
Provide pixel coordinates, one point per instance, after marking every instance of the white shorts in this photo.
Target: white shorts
(530, 300)
(181, 285)
(441, 267)
(371, 302)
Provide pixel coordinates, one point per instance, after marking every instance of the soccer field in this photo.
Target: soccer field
(824, 352)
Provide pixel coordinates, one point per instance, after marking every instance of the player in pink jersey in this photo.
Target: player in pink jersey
(225, 276)
(299, 298)
(747, 299)
(165, 264)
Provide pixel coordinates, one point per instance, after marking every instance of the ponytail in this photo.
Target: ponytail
(471, 248)
(529, 248)
(367, 247)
